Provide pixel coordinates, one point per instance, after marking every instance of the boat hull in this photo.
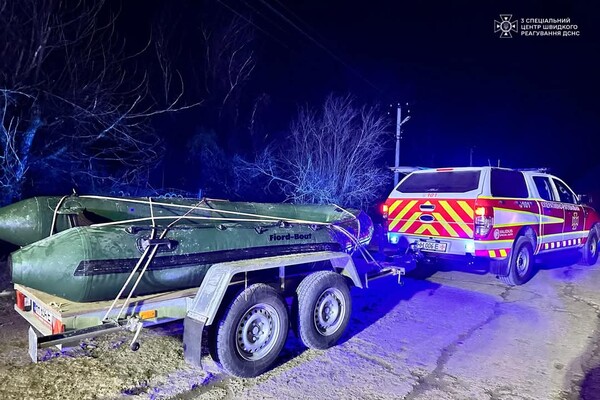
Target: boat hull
(91, 264)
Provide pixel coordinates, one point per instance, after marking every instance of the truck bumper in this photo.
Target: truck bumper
(452, 246)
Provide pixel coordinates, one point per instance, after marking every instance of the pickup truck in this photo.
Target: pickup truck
(500, 215)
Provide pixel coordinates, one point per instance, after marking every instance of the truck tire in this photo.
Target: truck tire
(252, 331)
(520, 265)
(322, 309)
(589, 252)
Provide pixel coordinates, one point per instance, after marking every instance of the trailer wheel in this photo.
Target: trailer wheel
(520, 264)
(589, 252)
(252, 331)
(322, 307)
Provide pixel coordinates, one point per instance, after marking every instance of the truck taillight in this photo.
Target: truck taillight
(384, 210)
(484, 220)
(384, 217)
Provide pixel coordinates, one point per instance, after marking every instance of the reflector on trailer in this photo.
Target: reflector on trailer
(57, 326)
(147, 314)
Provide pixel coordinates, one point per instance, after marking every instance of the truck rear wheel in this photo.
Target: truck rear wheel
(520, 264)
(252, 331)
(589, 252)
(323, 306)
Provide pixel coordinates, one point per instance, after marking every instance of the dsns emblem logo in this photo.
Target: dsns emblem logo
(506, 26)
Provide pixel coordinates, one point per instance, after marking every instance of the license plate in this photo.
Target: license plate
(438, 247)
(42, 313)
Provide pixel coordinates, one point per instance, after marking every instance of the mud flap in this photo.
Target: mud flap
(33, 345)
(500, 267)
(192, 341)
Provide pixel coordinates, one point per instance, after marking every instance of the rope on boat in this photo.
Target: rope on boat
(262, 218)
(153, 233)
(353, 217)
(137, 265)
(148, 261)
(178, 217)
(269, 217)
(56, 214)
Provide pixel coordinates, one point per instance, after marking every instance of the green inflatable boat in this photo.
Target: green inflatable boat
(83, 248)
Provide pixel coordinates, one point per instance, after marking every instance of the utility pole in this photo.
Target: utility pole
(471, 157)
(399, 123)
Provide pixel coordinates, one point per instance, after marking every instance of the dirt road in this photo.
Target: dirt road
(450, 335)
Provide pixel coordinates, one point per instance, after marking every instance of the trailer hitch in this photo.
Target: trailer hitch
(385, 270)
(397, 264)
(409, 259)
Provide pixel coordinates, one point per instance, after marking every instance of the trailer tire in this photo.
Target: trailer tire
(589, 252)
(322, 309)
(252, 331)
(520, 264)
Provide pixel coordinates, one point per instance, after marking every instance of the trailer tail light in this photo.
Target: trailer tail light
(20, 300)
(484, 220)
(57, 326)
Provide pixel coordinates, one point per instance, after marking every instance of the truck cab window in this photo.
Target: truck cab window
(543, 187)
(507, 183)
(566, 195)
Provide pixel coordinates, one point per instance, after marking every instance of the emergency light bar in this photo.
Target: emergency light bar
(407, 170)
(541, 170)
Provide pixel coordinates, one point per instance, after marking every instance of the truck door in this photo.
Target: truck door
(552, 214)
(574, 221)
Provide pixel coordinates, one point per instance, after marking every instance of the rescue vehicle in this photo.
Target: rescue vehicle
(500, 215)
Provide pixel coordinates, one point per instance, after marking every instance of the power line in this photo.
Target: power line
(320, 45)
(263, 16)
(252, 23)
(300, 20)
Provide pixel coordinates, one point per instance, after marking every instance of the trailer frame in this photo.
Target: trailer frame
(197, 307)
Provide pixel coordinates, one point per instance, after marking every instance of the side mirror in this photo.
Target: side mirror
(584, 199)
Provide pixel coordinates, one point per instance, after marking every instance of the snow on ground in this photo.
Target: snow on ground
(452, 334)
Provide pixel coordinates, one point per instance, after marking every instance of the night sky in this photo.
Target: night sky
(528, 101)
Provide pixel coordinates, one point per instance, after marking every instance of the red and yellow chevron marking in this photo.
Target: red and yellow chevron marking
(431, 217)
(496, 253)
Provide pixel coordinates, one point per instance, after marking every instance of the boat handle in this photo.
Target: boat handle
(170, 244)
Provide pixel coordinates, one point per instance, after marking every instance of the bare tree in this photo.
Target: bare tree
(330, 156)
(73, 105)
(229, 61)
